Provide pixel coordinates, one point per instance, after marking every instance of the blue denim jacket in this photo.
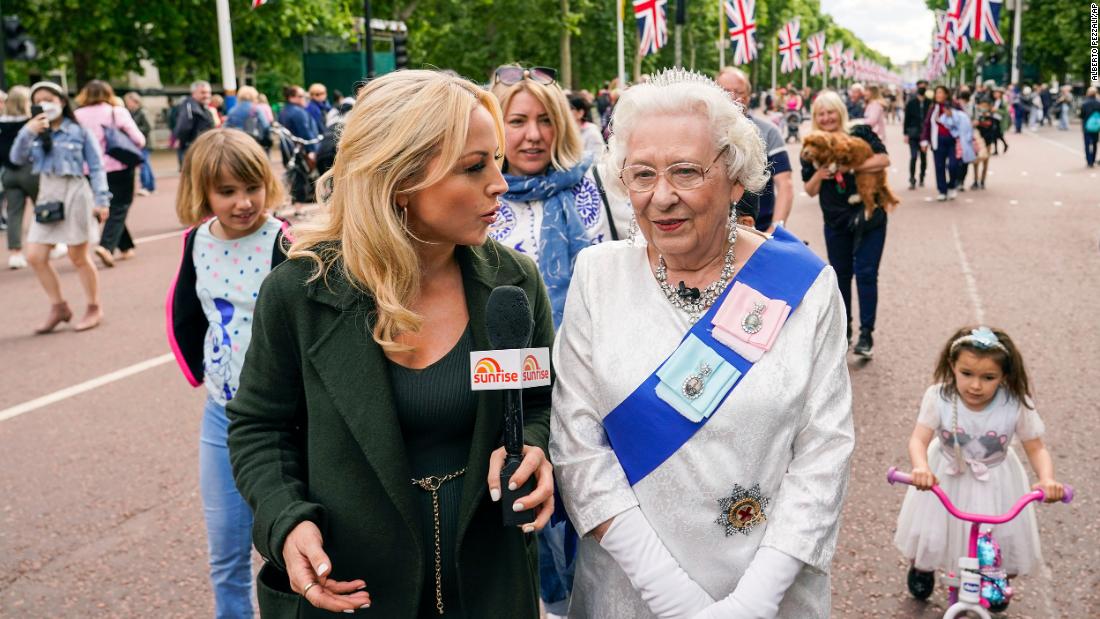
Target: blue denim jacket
(73, 147)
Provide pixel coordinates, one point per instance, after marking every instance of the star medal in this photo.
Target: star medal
(694, 384)
(754, 321)
(742, 510)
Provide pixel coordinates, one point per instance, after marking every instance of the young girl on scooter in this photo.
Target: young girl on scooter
(980, 401)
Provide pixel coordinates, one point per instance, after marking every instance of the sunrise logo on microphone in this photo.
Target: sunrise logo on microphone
(488, 371)
(532, 372)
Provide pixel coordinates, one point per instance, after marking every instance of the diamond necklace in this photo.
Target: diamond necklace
(697, 307)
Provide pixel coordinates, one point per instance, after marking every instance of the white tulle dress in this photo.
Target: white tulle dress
(990, 481)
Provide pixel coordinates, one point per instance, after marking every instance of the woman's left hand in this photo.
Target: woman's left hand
(1053, 490)
(101, 213)
(542, 498)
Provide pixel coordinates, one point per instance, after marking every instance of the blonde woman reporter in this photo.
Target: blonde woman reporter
(702, 420)
(371, 467)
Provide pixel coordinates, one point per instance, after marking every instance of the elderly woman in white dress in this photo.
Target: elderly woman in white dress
(701, 428)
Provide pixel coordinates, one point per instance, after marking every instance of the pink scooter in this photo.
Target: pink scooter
(965, 589)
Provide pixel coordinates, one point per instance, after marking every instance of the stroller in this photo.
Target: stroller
(794, 121)
(300, 171)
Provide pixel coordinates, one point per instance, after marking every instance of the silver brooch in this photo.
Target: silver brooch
(754, 321)
(695, 383)
(742, 510)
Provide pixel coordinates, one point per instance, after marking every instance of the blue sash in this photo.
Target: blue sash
(644, 430)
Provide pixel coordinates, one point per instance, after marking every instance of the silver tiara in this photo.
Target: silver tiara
(981, 338)
(669, 77)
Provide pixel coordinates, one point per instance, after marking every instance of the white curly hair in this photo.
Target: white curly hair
(679, 91)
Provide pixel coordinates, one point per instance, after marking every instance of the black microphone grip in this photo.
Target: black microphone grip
(513, 457)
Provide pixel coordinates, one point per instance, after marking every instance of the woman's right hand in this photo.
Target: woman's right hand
(38, 124)
(306, 562)
(923, 478)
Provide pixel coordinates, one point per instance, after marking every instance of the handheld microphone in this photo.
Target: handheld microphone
(509, 323)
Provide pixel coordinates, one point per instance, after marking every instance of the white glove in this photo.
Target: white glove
(760, 589)
(664, 585)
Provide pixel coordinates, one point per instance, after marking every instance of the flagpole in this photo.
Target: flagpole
(619, 35)
(1017, 20)
(679, 53)
(721, 35)
(225, 47)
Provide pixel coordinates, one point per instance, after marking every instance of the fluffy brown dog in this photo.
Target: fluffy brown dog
(830, 150)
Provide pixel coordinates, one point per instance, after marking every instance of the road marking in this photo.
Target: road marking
(1057, 203)
(1013, 201)
(88, 385)
(1024, 173)
(1058, 144)
(968, 274)
(177, 234)
(1057, 173)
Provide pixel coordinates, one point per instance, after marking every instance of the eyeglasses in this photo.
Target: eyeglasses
(683, 176)
(514, 75)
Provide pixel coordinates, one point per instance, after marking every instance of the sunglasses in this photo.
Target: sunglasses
(514, 75)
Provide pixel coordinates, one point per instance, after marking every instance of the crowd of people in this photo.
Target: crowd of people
(340, 437)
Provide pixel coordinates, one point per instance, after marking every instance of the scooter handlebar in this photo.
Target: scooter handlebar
(895, 476)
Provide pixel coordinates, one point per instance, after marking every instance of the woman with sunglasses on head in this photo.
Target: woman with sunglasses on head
(701, 427)
(552, 209)
(372, 468)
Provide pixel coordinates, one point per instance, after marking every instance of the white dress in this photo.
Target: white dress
(990, 482)
(786, 427)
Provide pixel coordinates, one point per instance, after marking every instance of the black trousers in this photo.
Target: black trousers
(115, 234)
(914, 152)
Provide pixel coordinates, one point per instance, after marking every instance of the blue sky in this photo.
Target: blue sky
(900, 29)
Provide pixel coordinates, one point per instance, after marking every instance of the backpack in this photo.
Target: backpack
(252, 127)
(1092, 125)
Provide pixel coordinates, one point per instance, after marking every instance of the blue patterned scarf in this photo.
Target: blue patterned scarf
(562, 235)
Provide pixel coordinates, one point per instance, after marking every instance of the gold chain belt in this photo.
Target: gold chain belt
(431, 484)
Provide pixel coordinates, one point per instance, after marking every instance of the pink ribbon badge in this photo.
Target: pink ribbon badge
(748, 322)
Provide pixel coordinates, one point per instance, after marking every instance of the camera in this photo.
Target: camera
(36, 110)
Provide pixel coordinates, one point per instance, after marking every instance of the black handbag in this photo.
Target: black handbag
(49, 212)
(119, 146)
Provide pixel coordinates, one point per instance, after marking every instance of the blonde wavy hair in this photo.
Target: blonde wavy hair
(405, 133)
(829, 100)
(218, 151)
(678, 91)
(568, 149)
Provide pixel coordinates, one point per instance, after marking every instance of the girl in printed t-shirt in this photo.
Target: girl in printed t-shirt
(980, 401)
(227, 188)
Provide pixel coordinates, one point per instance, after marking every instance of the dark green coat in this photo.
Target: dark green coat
(314, 436)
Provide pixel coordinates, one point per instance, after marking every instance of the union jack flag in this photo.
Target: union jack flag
(836, 60)
(849, 63)
(817, 53)
(979, 20)
(652, 27)
(944, 44)
(741, 21)
(790, 47)
(258, 3)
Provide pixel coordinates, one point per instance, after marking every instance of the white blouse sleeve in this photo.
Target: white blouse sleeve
(929, 415)
(1029, 425)
(593, 485)
(806, 517)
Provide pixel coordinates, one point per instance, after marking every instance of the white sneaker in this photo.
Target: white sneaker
(59, 251)
(143, 192)
(17, 261)
(952, 194)
(941, 198)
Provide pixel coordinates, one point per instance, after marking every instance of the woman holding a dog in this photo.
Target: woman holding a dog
(853, 240)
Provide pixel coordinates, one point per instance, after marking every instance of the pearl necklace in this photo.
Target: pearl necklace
(697, 307)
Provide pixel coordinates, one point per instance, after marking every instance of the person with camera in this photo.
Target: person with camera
(18, 181)
(98, 110)
(68, 208)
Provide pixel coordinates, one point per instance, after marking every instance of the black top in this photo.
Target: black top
(916, 108)
(839, 214)
(436, 411)
(1089, 107)
(9, 128)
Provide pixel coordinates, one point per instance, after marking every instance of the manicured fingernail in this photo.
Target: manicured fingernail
(512, 486)
(349, 610)
(321, 569)
(365, 606)
(528, 528)
(517, 506)
(494, 494)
